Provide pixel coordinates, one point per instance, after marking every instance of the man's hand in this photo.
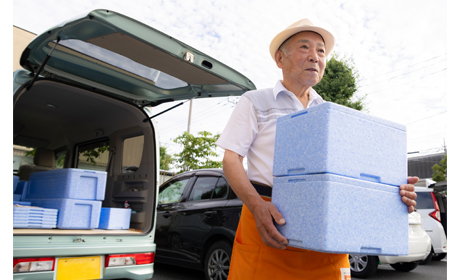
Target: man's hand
(408, 194)
(266, 214)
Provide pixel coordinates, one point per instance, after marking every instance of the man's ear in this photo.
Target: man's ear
(279, 59)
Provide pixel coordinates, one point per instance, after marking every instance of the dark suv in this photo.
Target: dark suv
(197, 218)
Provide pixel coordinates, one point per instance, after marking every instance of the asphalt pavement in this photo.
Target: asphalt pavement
(435, 270)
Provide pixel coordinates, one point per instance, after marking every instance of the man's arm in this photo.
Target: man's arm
(264, 212)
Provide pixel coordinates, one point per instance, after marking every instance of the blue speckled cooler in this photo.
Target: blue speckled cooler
(330, 138)
(73, 213)
(336, 214)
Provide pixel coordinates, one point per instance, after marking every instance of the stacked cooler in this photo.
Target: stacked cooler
(337, 176)
(77, 195)
(29, 217)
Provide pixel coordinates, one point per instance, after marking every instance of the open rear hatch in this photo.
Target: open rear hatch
(88, 83)
(120, 56)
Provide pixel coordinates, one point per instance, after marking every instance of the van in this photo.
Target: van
(82, 103)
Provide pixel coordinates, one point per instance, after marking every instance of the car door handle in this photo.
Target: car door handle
(167, 215)
(210, 213)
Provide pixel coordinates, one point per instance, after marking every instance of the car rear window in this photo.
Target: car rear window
(424, 200)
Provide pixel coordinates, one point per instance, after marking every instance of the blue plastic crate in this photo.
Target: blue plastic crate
(330, 138)
(34, 211)
(114, 218)
(73, 213)
(336, 214)
(34, 225)
(15, 182)
(22, 203)
(33, 217)
(67, 183)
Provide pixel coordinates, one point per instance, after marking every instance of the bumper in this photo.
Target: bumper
(136, 272)
(419, 248)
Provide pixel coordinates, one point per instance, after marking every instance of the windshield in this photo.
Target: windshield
(159, 79)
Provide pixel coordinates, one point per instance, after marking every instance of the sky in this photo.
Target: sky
(398, 48)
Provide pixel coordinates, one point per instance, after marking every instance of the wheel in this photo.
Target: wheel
(440, 256)
(363, 266)
(405, 267)
(428, 258)
(217, 262)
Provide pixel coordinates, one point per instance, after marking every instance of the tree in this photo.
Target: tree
(339, 83)
(440, 170)
(197, 152)
(165, 158)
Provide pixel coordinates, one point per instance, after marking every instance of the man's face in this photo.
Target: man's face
(303, 60)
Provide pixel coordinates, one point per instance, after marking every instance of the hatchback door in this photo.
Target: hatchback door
(119, 56)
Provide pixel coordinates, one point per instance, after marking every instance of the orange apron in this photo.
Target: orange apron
(252, 259)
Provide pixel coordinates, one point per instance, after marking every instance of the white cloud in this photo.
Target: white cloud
(385, 39)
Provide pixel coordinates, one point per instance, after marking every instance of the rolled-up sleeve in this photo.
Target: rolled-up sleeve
(241, 129)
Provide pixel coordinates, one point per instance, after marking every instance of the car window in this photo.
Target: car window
(221, 189)
(424, 200)
(132, 153)
(173, 192)
(203, 188)
(94, 155)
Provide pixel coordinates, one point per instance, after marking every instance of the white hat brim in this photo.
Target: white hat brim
(328, 38)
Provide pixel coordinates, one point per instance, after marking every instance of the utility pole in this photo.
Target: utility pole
(189, 117)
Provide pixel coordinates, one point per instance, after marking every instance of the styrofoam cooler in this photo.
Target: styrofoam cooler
(331, 138)
(337, 214)
(114, 218)
(67, 183)
(73, 213)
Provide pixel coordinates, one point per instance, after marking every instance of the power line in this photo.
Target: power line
(427, 117)
(403, 68)
(408, 81)
(400, 75)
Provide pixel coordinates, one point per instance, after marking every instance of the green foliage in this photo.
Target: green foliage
(165, 158)
(197, 152)
(92, 154)
(339, 83)
(440, 170)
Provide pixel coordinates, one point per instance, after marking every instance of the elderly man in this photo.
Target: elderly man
(260, 251)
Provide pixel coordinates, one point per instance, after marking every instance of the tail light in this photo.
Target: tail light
(129, 259)
(33, 264)
(435, 214)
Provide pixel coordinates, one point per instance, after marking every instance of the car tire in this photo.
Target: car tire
(363, 266)
(404, 267)
(438, 257)
(428, 258)
(217, 261)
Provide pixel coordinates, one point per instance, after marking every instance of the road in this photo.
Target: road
(433, 270)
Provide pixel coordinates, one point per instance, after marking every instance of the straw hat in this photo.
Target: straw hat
(299, 26)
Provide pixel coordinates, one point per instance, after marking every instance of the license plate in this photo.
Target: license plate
(79, 268)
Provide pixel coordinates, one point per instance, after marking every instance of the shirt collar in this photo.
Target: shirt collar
(279, 87)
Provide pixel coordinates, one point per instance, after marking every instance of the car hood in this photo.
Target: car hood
(120, 56)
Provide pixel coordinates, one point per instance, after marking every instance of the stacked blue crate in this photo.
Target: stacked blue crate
(337, 175)
(34, 217)
(76, 193)
(18, 193)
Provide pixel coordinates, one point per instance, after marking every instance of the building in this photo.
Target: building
(421, 166)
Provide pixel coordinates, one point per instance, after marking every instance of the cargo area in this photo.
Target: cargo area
(92, 133)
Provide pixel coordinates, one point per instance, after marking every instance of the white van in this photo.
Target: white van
(83, 95)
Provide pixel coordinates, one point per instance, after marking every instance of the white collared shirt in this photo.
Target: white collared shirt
(251, 128)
